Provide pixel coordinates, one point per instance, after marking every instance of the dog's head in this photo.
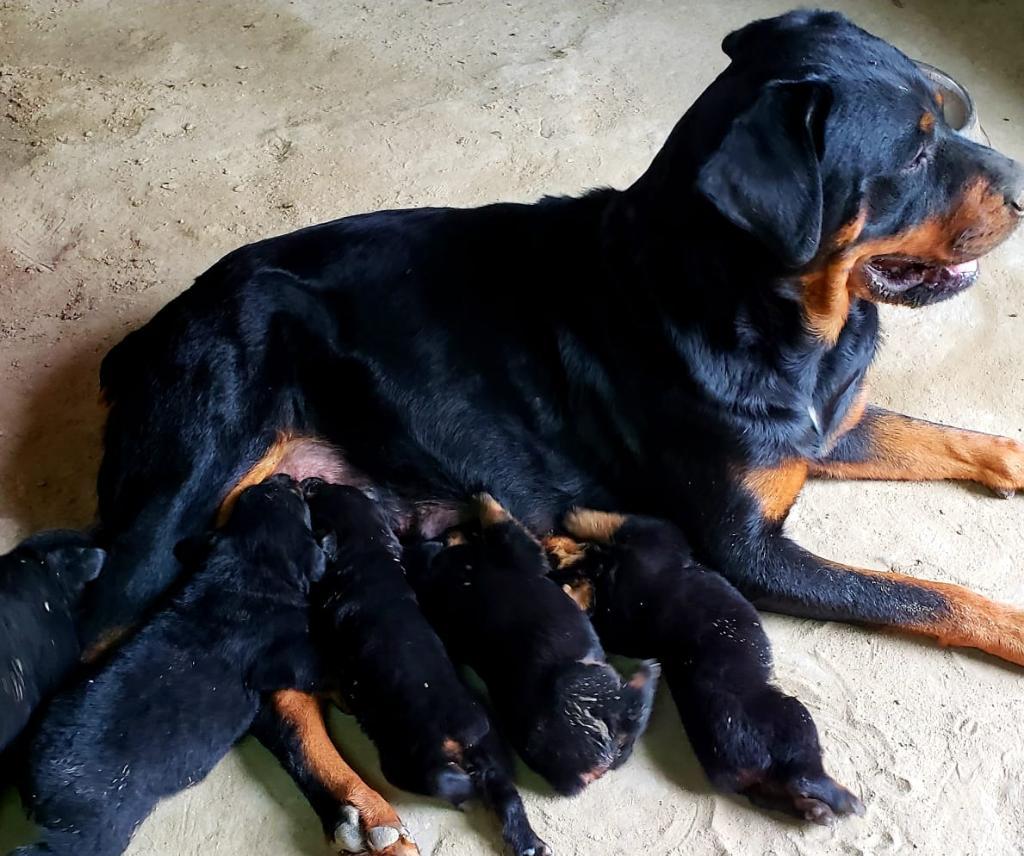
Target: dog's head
(835, 156)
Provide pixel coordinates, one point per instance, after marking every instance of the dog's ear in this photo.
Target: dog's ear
(765, 177)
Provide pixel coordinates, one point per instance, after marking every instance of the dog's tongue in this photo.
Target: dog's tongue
(964, 267)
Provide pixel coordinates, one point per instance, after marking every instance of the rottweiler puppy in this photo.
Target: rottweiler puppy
(566, 711)
(41, 582)
(648, 597)
(433, 736)
(173, 700)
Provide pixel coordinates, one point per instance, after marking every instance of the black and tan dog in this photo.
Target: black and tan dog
(394, 674)
(41, 581)
(175, 698)
(692, 347)
(648, 597)
(569, 714)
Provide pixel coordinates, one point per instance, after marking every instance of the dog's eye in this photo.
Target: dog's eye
(919, 159)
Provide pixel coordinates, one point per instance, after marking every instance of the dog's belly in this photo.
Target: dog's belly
(303, 457)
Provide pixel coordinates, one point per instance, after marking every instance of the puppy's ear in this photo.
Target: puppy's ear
(83, 564)
(192, 550)
(328, 542)
(765, 177)
(90, 562)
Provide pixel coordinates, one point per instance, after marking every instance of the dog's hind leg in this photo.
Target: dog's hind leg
(356, 819)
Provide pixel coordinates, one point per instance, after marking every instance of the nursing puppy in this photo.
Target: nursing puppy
(433, 736)
(648, 597)
(41, 581)
(567, 712)
(172, 701)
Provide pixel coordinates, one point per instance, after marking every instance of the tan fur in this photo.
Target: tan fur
(980, 221)
(563, 551)
(906, 449)
(590, 525)
(776, 488)
(305, 714)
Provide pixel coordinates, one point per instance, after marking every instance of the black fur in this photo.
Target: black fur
(565, 710)
(41, 581)
(433, 736)
(637, 349)
(650, 598)
(174, 699)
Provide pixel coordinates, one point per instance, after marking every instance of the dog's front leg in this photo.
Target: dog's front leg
(779, 575)
(888, 446)
(355, 817)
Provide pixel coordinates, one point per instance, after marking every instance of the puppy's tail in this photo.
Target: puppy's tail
(490, 769)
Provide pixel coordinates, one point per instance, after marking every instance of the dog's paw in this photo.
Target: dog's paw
(349, 836)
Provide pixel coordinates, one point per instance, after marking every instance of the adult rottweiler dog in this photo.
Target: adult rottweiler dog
(567, 712)
(173, 700)
(692, 347)
(648, 597)
(41, 581)
(434, 737)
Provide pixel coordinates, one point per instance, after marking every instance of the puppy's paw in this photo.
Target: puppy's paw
(818, 799)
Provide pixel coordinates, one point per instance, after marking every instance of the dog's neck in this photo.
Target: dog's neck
(721, 303)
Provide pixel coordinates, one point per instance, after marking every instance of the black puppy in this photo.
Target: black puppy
(41, 581)
(649, 597)
(174, 699)
(566, 711)
(433, 737)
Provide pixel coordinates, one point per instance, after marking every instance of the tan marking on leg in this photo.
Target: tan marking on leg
(906, 449)
(590, 525)
(582, 593)
(305, 714)
(776, 488)
(563, 551)
(455, 538)
(972, 621)
(489, 511)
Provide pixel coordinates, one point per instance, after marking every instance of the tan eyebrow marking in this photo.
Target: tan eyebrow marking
(927, 121)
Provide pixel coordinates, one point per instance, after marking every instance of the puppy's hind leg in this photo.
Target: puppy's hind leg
(749, 736)
(490, 769)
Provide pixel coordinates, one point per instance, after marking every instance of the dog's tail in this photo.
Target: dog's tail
(490, 769)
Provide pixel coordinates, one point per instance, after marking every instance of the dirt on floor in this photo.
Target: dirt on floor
(139, 142)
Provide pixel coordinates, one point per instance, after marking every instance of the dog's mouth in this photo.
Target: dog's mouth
(892, 276)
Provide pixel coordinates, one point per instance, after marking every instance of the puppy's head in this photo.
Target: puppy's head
(68, 556)
(831, 150)
(271, 521)
(341, 512)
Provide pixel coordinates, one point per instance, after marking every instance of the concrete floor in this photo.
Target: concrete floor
(141, 141)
